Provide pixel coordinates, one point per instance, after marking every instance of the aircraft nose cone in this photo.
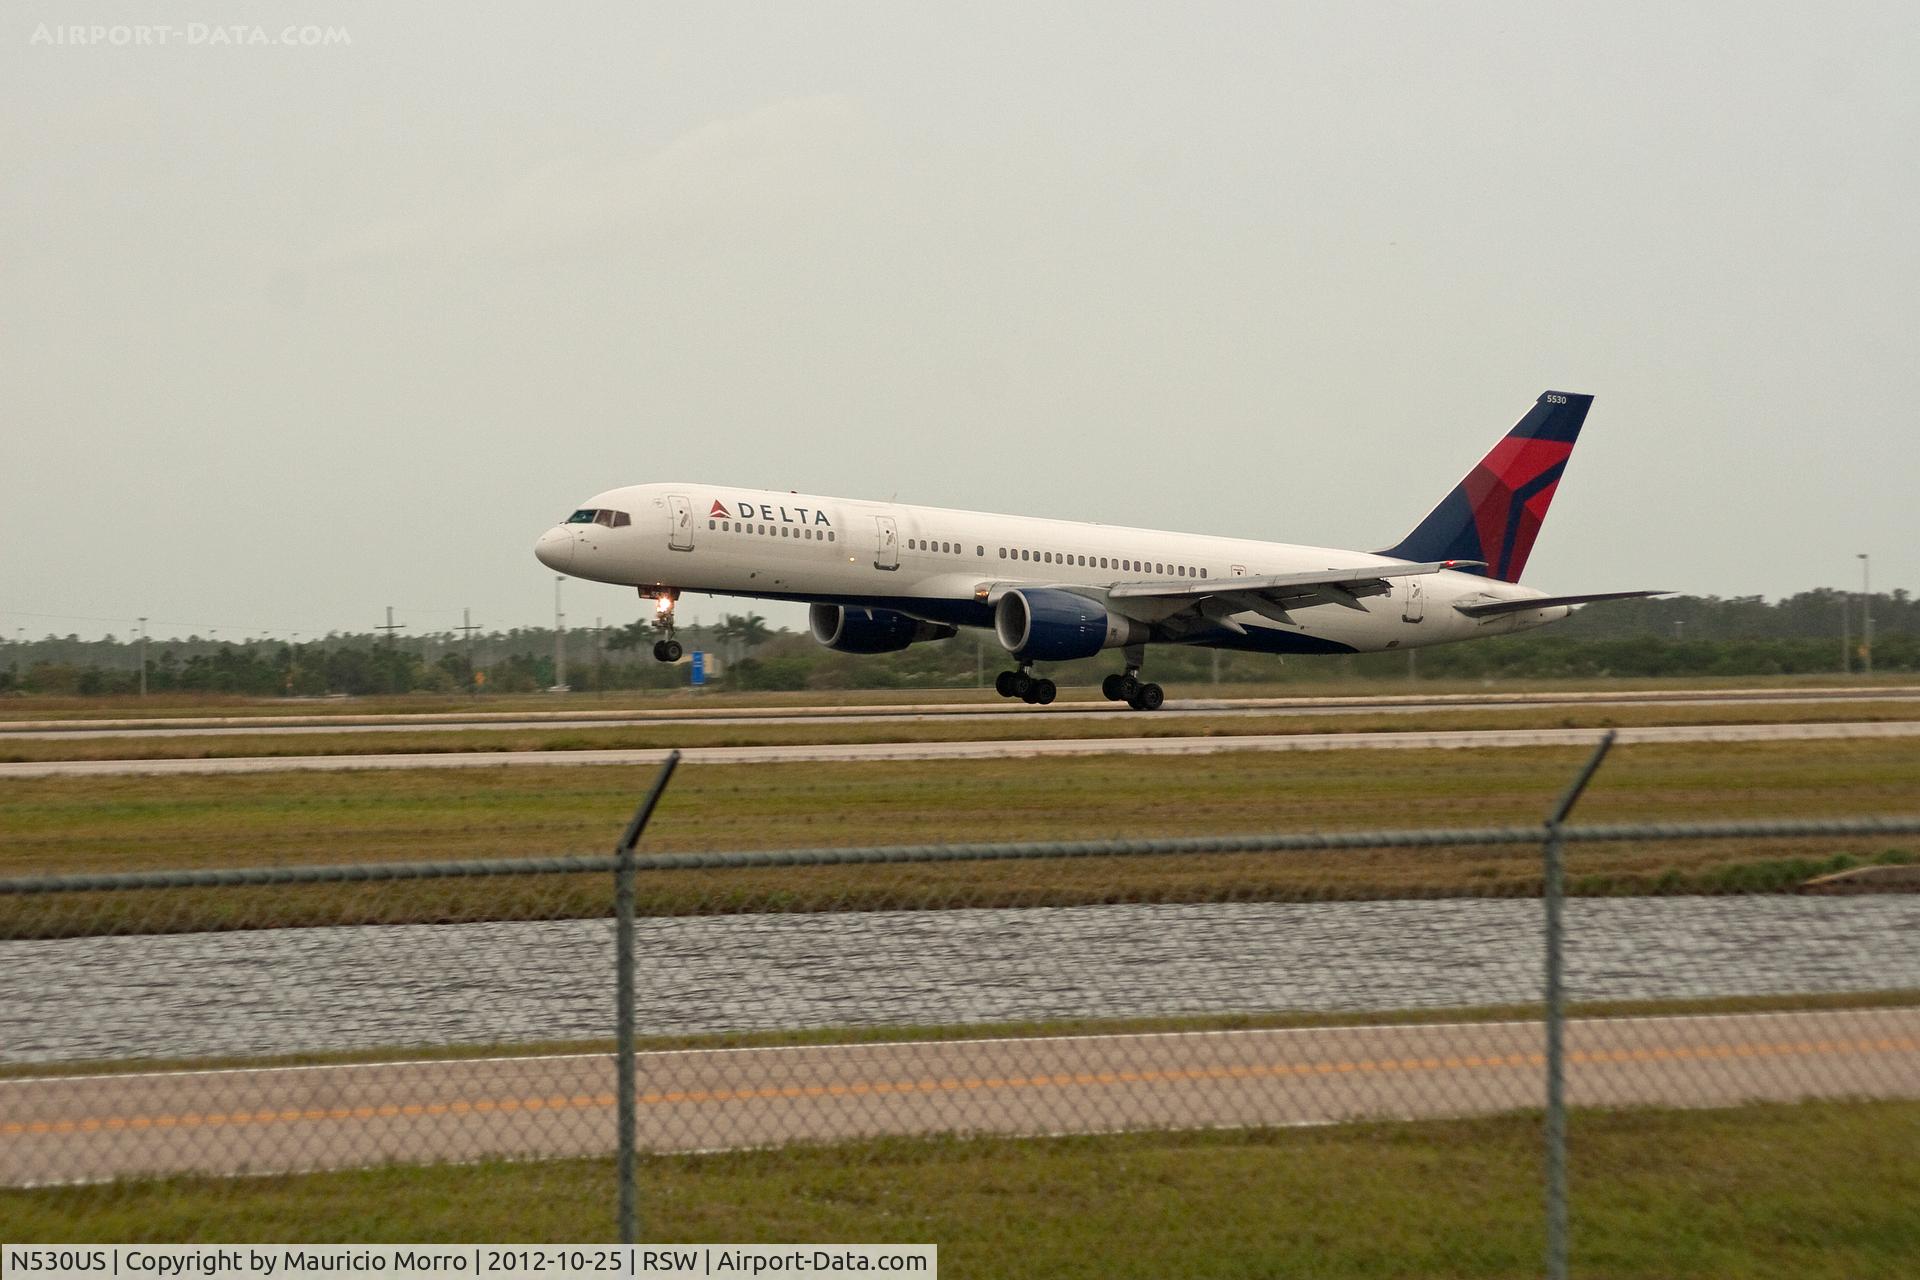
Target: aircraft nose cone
(555, 549)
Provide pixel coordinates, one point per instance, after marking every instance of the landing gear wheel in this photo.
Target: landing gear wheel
(1003, 683)
(666, 648)
(1110, 689)
(1044, 691)
(1147, 697)
(1022, 685)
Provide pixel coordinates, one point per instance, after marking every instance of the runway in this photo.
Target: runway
(1015, 749)
(271, 1120)
(1216, 708)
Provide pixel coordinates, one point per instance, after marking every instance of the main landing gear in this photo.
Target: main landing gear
(1026, 686)
(1127, 687)
(666, 648)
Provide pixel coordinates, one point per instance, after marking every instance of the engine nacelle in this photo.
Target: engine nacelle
(1050, 625)
(870, 630)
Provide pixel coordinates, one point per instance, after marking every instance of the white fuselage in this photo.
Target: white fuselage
(947, 566)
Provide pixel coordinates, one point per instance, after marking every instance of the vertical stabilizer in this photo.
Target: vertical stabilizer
(1496, 512)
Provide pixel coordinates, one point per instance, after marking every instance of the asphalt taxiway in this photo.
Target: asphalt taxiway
(271, 1120)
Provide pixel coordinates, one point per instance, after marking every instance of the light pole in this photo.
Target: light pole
(1866, 613)
(559, 637)
(1846, 636)
(467, 629)
(143, 657)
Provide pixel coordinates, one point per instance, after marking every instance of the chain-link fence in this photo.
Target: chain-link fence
(169, 1040)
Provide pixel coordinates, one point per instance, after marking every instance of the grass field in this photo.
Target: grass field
(969, 728)
(118, 824)
(1803, 1191)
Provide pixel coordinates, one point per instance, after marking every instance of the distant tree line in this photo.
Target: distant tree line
(1678, 636)
(518, 661)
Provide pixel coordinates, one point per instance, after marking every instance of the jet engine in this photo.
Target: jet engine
(850, 630)
(1049, 625)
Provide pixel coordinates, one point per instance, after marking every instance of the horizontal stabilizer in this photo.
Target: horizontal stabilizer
(1494, 608)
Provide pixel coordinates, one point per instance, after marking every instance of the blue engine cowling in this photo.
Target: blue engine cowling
(1049, 625)
(848, 630)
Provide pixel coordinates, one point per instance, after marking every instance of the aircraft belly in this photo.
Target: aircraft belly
(1258, 625)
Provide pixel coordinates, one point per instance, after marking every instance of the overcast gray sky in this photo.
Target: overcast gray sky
(294, 332)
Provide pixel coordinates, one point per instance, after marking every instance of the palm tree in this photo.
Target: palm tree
(632, 636)
(742, 634)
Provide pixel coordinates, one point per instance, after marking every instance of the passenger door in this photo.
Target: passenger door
(886, 551)
(1416, 604)
(680, 538)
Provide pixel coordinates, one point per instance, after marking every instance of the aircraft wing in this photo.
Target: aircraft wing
(1495, 608)
(1329, 582)
(1270, 595)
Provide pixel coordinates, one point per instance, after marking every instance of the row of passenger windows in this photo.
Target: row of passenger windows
(772, 530)
(1103, 562)
(935, 547)
(1060, 557)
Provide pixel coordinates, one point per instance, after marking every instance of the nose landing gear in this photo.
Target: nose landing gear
(666, 648)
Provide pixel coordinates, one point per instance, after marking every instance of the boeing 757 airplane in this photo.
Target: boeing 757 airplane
(880, 576)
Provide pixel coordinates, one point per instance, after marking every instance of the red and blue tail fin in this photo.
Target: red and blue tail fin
(1495, 513)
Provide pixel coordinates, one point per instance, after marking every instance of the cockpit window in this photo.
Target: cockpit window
(601, 516)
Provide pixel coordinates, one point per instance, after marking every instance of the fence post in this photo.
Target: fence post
(1554, 893)
(625, 1101)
